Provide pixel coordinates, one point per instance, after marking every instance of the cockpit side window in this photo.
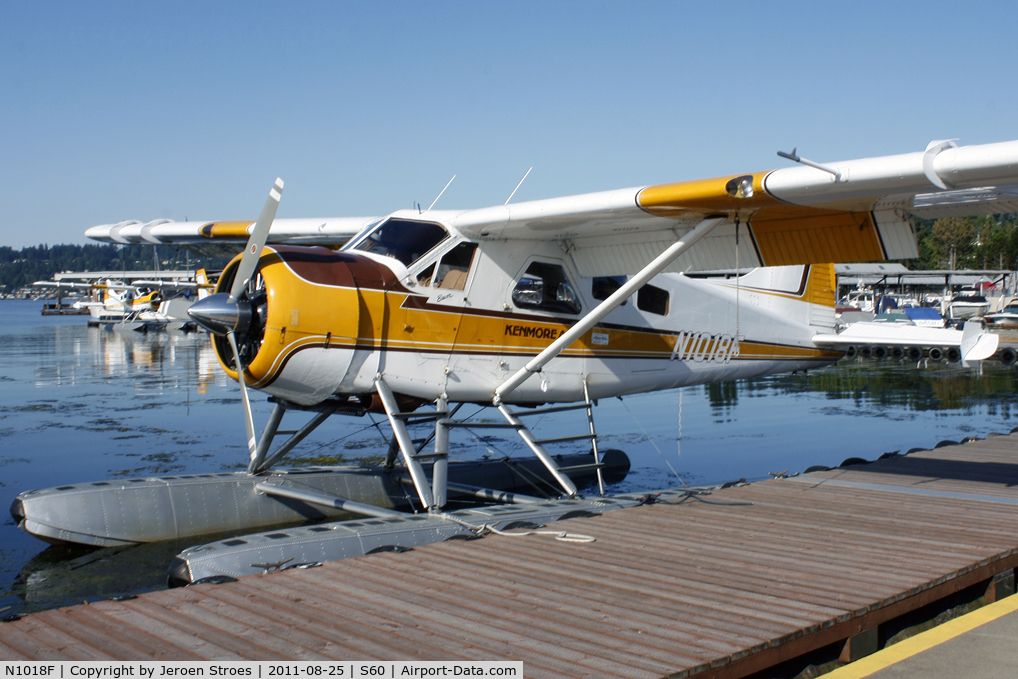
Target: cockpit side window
(455, 267)
(403, 239)
(545, 286)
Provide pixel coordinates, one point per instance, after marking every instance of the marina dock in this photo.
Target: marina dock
(761, 578)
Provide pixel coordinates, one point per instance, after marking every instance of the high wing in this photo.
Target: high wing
(848, 211)
(858, 210)
(227, 238)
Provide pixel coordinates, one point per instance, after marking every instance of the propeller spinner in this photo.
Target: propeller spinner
(221, 314)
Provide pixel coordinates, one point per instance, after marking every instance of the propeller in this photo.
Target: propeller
(257, 241)
(228, 314)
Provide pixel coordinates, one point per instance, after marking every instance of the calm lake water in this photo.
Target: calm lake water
(83, 404)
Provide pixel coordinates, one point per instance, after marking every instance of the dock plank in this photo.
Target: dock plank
(87, 636)
(115, 630)
(303, 611)
(588, 606)
(559, 625)
(491, 619)
(406, 622)
(413, 629)
(177, 612)
(272, 619)
(38, 627)
(623, 585)
(7, 653)
(142, 614)
(17, 635)
(235, 634)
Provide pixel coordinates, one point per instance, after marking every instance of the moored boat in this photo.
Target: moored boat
(1006, 317)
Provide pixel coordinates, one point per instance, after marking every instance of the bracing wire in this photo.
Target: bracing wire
(654, 443)
(737, 281)
(678, 434)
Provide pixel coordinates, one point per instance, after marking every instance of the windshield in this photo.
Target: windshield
(403, 239)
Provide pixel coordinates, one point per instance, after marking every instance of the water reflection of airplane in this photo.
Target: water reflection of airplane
(172, 359)
(513, 307)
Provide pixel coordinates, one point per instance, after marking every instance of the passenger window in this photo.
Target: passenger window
(603, 287)
(403, 239)
(652, 300)
(455, 266)
(545, 287)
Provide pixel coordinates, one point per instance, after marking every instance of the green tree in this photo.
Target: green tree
(986, 242)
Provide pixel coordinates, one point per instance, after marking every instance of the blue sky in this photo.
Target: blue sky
(136, 110)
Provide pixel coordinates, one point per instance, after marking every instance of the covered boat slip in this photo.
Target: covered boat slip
(730, 584)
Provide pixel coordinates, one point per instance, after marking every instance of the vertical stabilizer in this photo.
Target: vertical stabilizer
(801, 293)
(820, 293)
(202, 279)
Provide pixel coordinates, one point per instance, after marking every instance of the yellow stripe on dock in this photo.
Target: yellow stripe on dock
(924, 641)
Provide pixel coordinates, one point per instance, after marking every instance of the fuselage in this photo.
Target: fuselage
(440, 315)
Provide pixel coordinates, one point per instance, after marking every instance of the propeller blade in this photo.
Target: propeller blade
(252, 444)
(253, 249)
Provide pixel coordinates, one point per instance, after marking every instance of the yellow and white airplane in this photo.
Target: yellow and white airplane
(561, 301)
(121, 301)
(527, 303)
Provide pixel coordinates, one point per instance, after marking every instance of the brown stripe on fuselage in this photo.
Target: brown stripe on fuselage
(323, 266)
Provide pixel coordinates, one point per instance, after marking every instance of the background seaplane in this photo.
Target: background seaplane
(561, 302)
(140, 304)
(111, 301)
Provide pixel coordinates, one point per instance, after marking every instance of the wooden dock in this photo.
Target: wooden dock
(725, 585)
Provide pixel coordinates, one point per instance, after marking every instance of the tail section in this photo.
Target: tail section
(803, 293)
(202, 279)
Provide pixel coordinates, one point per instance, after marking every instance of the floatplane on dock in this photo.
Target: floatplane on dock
(532, 308)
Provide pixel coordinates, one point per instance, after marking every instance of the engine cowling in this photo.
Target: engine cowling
(303, 315)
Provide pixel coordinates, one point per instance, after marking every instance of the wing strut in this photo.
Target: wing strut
(604, 308)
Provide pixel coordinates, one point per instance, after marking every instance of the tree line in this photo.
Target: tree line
(987, 242)
(20, 268)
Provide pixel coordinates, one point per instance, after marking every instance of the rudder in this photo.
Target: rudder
(821, 294)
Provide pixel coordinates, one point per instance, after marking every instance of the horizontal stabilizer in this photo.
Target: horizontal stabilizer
(975, 344)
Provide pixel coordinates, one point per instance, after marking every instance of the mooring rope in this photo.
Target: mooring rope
(561, 536)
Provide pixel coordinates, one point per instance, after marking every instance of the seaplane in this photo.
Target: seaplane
(171, 314)
(525, 309)
(111, 301)
(139, 304)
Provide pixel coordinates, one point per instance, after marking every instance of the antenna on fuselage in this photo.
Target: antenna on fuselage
(517, 187)
(441, 192)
